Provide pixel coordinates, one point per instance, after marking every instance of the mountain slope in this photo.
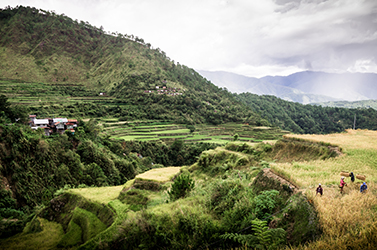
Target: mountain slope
(75, 59)
(345, 86)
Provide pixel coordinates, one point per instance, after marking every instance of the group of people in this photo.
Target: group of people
(363, 187)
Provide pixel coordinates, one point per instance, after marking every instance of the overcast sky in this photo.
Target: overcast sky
(248, 37)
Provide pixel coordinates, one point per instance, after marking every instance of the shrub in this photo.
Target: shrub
(182, 185)
(262, 237)
(265, 203)
(224, 194)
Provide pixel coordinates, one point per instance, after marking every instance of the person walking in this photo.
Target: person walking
(342, 184)
(319, 190)
(352, 177)
(363, 188)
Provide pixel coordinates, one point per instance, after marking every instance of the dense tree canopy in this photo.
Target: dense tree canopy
(308, 119)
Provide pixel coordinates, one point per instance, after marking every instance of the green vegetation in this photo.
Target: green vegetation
(233, 204)
(72, 62)
(109, 185)
(308, 119)
(182, 185)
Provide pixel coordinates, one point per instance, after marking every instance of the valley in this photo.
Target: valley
(162, 158)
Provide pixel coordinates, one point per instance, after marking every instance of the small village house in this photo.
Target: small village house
(53, 125)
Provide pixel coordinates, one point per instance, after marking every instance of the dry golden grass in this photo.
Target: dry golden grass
(338, 214)
(159, 174)
(349, 219)
(351, 139)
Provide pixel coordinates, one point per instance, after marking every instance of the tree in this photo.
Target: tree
(15, 113)
(235, 137)
(182, 185)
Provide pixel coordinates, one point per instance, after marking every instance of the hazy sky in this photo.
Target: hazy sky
(249, 37)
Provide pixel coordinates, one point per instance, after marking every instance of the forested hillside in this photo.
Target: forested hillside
(308, 119)
(33, 167)
(74, 59)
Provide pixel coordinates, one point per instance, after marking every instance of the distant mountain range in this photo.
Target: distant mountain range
(303, 87)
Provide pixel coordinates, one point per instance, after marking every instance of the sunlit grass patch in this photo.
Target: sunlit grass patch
(326, 172)
(110, 119)
(175, 131)
(99, 194)
(159, 174)
(129, 137)
(351, 139)
(360, 158)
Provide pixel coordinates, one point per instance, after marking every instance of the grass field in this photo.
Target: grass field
(99, 194)
(349, 218)
(159, 174)
(360, 157)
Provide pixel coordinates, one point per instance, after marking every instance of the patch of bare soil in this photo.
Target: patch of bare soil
(6, 184)
(336, 150)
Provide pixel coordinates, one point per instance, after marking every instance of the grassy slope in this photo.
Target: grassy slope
(341, 216)
(46, 239)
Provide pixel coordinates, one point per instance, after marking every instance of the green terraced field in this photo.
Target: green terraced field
(221, 134)
(75, 101)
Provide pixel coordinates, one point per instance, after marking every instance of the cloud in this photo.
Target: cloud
(246, 37)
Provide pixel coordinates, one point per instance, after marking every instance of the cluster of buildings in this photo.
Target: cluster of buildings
(166, 91)
(53, 125)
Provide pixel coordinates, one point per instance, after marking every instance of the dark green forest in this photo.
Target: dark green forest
(308, 119)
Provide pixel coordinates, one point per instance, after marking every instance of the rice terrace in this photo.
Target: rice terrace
(107, 143)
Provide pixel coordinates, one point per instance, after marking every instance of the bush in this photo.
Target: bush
(182, 185)
(224, 195)
(265, 203)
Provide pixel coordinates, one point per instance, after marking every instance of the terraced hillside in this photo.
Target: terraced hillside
(60, 66)
(168, 132)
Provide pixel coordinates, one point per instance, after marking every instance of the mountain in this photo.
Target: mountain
(304, 87)
(57, 60)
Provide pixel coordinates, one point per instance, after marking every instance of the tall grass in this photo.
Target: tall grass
(349, 220)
